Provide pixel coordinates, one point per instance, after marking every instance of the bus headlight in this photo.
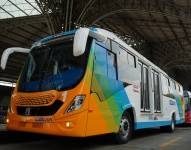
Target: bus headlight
(76, 104)
(7, 120)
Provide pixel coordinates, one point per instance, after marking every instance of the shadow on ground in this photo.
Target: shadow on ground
(37, 141)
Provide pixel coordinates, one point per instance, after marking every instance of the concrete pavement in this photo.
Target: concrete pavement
(150, 139)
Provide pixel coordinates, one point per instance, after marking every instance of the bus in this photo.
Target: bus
(6, 89)
(89, 82)
(187, 98)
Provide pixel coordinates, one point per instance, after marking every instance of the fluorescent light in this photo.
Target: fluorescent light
(10, 84)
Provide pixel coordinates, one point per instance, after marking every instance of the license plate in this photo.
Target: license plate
(37, 125)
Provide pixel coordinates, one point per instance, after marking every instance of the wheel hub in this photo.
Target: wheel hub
(124, 127)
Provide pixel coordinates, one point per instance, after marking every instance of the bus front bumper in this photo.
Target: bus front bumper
(73, 125)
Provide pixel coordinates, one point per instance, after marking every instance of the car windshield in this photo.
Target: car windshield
(53, 67)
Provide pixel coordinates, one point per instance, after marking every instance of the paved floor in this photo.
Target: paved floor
(151, 139)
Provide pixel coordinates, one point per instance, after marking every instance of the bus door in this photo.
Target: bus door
(144, 95)
(156, 91)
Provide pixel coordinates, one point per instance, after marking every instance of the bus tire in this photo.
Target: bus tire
(170, 128)
(125, 129)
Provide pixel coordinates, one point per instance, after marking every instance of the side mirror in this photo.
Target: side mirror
(81, 37)
(80, 40)
(8, 52)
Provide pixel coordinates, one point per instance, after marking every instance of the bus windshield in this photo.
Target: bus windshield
(52, 67)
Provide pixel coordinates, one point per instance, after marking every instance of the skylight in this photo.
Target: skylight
(18, 8)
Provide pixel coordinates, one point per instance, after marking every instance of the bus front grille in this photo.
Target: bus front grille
(39, 110)
(35, 101)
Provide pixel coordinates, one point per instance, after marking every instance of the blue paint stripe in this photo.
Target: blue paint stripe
(142, 125)
(180, 121)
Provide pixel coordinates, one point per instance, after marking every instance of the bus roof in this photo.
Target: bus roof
(107, 34)
(112, 36)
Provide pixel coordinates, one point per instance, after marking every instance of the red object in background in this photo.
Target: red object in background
(188, 117)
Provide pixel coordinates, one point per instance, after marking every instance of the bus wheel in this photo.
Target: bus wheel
(171, 127)
(125, 129)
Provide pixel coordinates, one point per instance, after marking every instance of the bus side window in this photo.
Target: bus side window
(126, 64)
(122, 63)
(181, 91)
(131, 60)
(111, 65)
(171, 88)
(165, 89)
(145, 98)
(145, 102)
(106, 44)
(177, 88)
(100, 66)
(174, 85)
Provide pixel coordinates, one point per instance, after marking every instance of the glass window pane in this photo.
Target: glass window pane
(22, 8)
(100, 66)
(165, 85)
(111, 65)
(131, 60)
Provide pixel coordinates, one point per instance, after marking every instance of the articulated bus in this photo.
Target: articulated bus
(89, 82)
(187, 98)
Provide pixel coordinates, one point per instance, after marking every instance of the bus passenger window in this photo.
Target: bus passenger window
(152, 80)
(131, 60)
(174, 85)
(157, 102)
(165, 88)
(179, 88)
(145, 98)
(168, 82)
(100, 64)
(145, 102)
(111, 65)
